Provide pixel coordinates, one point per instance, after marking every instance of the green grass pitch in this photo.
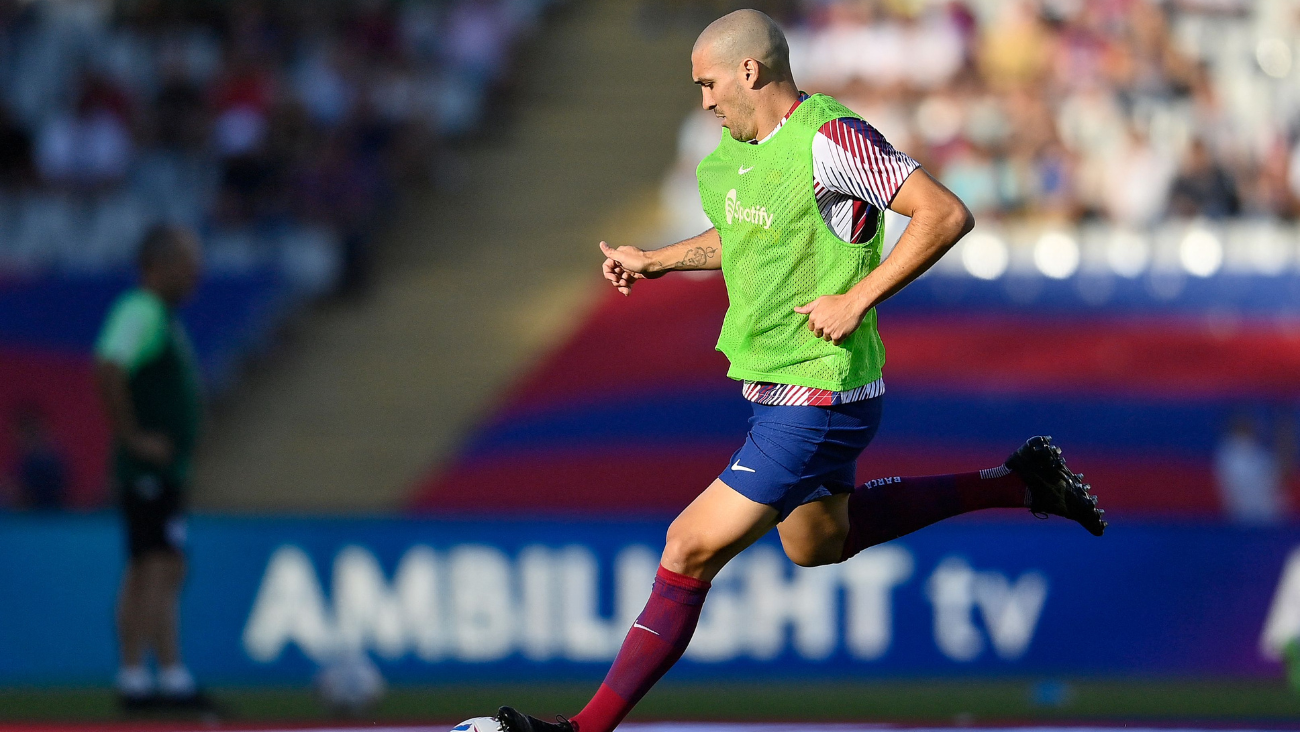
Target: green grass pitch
(931, 702)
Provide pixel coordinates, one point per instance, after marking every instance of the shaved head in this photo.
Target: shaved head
(164, 243)
(741, 63)
(170, 262)
(746, 34)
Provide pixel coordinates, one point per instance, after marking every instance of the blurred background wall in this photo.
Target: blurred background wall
(399, 204)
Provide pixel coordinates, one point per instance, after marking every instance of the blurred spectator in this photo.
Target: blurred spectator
(973, 176)
(209, 114)
(1051, 181)
(372, 30)
(1137, 181)
(477, 33)
(40, 473)
(91, 145)
(475, 52)
(1203, 187)
(16, 168)
(322, 84)
(179, 113)
(241, 101)
(1015, 49)
(341, 188)
(1251, 473)
(1269, 192)
(16, 160)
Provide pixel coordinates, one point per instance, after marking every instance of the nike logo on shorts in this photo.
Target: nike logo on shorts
(742, 468)
(744, 170)
(642, 627)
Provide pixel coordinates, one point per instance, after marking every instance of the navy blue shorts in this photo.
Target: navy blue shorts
(794, 455)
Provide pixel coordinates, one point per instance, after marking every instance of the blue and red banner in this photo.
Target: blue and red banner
(634, 413)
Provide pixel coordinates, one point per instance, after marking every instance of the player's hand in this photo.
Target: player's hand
(833, 318)
(624, 266)
(150, 447)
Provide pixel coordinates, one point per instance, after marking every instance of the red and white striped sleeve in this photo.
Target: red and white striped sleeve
(852, 158)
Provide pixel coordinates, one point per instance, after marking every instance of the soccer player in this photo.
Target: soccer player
(795, 192)
(149, 383)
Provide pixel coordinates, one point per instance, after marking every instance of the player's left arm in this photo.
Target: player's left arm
(625, 265)
(939, 220)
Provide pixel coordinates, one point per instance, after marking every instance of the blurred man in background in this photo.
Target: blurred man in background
(1251, 473)
(1204, 187)
(40, 472)
(149, 382)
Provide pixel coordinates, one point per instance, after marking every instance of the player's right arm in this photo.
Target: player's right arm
(625, 265)
(132, 336)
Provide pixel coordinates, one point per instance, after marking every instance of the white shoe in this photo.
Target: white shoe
(176, 682)
(134, 682)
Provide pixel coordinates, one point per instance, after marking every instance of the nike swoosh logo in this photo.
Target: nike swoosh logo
(738, 466)
(744, 170)
(642, 627)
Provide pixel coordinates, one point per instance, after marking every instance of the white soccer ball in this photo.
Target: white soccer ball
(478, 724)
(350, 683)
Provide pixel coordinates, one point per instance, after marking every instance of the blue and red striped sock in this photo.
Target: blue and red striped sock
(886, 509)
(657, 639)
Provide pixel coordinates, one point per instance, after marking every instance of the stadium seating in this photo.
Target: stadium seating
(280, 136)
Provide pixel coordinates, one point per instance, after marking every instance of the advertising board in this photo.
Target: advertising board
(269, 599)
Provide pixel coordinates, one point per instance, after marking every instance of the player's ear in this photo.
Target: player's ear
(749, 70)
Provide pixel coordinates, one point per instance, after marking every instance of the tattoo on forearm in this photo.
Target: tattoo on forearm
(697, 257)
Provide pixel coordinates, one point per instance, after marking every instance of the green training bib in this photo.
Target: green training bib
(778, 254)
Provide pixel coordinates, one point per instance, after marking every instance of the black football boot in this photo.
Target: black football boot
(1052, 488)
(512, 720)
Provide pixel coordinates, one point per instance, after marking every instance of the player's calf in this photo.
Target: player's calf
(1034, 477)
(815, 555)
(813, 534)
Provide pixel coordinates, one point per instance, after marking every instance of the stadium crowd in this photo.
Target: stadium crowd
(1127, 111)
(278, 129)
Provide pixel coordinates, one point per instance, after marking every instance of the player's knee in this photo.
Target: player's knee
(687, 552)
